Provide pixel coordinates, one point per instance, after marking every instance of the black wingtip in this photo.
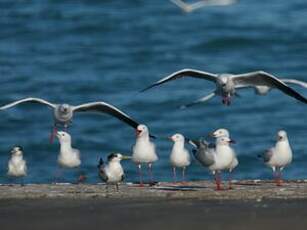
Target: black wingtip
(147, 88)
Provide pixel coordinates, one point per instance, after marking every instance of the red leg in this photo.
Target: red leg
(279, 179)
(140, 175)
(53, 134)
(218, 181)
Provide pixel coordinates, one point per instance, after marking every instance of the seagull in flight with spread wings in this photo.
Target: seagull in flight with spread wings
(228, 84)
(63, 113)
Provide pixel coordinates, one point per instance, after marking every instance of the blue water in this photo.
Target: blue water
(82, 51)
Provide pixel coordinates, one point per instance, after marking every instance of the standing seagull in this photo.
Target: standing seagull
(180, 156)
(113, 172)
(228, 84)
(68, 157)
(279, 156)
(199, 4)
(216, 158)
(63, 113)
(144, 151)
(17, 166)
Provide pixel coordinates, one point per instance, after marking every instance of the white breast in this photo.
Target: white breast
(180, 156)
(114, 172)
(144, 151)
(17, 166)
(224, 158)
(69, 158)
(282, 155)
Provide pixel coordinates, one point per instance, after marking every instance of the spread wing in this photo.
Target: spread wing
(184, 73)
(28, 100)
(260, 78)
(295, 82)
(103, 107)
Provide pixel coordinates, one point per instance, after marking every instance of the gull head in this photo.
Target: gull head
(117, 157)
(141, 130)
(282, 135)
(64, 108)
(63, 137)
(220, 133)
(17, 151)
(177, 138)
(224, 141)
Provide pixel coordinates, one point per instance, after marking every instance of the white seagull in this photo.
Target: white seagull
(189, 7)
(228, 84)
(68, 157)
(17, 166)
(279, 156)
(259, 90)
(112, 172)
(216, 157)
(144, 151)
(63, 113)
(180, 156)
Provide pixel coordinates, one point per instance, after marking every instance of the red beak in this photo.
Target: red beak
(137, 132)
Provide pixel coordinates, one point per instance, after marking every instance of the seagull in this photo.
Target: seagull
(180, 156)
(112, 172)
(216, 157)
(17, 166)
(199, 4)
(63, 113)
(259, 90)
(279, 156)
(228, 84)
(68, 157)
(144, 152)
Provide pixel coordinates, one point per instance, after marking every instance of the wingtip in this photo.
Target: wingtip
(147, 88)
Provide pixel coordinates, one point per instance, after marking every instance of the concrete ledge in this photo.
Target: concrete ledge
(201, 190)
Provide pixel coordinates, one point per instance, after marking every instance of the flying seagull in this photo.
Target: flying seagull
(259, 90)
(189, 7)
(228, 84)
(279, 156)
(112, 172)
(63, 113)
